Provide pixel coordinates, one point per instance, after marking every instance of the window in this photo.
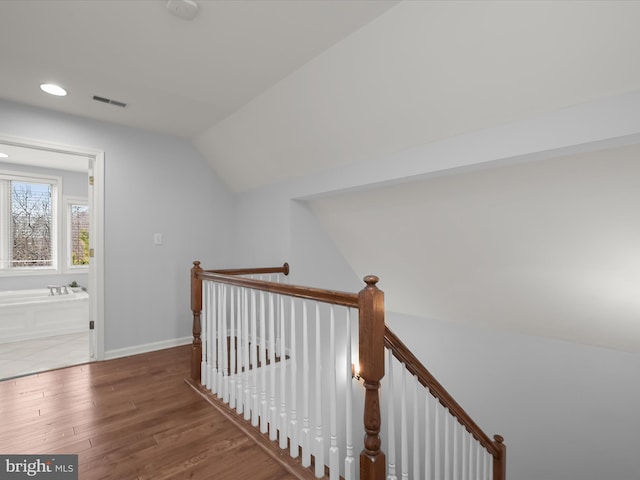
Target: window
(28, 223)
(77, 233)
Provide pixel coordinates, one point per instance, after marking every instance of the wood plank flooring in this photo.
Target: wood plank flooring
(129, 419)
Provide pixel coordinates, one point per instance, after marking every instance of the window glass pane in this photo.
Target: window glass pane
(31, 224)
(79, 215)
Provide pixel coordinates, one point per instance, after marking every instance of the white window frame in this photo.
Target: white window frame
(68, 266)
(5, 224)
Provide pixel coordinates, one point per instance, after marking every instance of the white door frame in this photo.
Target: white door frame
(96, 221)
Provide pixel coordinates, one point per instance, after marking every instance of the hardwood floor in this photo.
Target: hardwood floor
(129, 419)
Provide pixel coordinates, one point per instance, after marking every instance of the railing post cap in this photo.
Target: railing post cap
(371, 280)
(196, 263)
(285, 267)
(498, 438)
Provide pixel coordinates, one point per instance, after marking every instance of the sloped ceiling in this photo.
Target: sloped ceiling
(177, 77)
(545, 248)
(272, 90)
(276, 90)
(425, 71)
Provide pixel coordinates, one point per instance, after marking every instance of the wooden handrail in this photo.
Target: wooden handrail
(413, 365)
(327, 296)
(284, 269)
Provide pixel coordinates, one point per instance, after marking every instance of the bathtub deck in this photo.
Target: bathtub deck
(31, 356)
(34, 314)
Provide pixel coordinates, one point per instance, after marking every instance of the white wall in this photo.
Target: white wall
(153, 184)
(567, 411)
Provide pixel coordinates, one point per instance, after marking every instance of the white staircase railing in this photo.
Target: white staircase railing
(445, 442)
(286, 359)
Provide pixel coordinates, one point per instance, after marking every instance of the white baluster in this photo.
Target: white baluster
(204, 331)
(447, 450)
(217, 355)
(241, 341)
(235, 312)
(436, 441)
(455, 449)
(293, 421)
(235, 355)
(391, 459)
(349, 461)
(427, 436)
(478, 454)
(282, 427)
(273, 428)
(212, 356)
(263, 367)
(404, 435)
(319, 440)
(334, 453)
(279, 353)
(228, 320)
(465, 455)
(306, 434)
(245, 394)
(236, 343)
(416, 433)
(213, 337)
(225, 340)
(219, 334)
(254, 361)
(470, 460)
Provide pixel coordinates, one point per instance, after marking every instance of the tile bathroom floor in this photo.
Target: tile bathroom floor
(32, 356)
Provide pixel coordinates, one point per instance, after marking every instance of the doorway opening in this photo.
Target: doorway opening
(71, 276)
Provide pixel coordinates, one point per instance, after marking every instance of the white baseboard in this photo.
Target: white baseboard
(147, 347)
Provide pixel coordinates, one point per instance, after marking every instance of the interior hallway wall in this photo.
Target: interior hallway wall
(567, 411)
(153, 184)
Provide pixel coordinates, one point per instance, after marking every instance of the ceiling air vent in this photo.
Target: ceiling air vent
(109, 101)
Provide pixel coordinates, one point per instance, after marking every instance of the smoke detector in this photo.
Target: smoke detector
(186, 9)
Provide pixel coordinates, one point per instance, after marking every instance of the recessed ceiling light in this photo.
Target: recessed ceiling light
(53, 89)
(3, 155)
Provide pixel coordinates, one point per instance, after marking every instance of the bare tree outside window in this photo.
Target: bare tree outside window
(79, 216)
(31, 224)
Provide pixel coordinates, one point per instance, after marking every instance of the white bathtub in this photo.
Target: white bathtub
(28, 314)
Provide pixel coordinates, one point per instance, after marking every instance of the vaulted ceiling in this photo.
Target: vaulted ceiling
(276, 90)
(176, 76)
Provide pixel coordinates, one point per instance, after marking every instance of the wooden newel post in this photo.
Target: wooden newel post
(500, 462)
(371, 332)
(196, 308)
